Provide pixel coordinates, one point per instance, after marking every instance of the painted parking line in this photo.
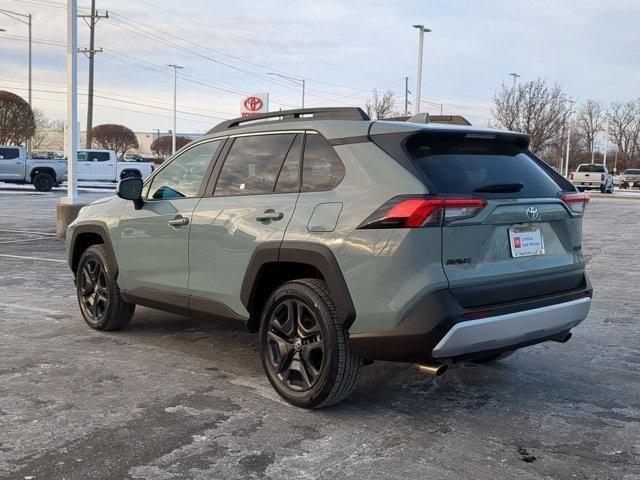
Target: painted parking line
(31, 309)
(28, 232)
(29, 240)
(22, 257)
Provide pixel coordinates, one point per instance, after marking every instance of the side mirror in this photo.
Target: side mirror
(131, 189)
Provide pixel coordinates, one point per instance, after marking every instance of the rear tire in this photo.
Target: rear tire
(101, 304)
(43, 182)
(304, 349)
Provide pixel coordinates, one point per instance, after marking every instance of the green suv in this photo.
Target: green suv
(342, 240)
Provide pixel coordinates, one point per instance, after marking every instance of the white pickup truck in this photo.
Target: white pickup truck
(103, 166)
(592, 176)
(44, 174)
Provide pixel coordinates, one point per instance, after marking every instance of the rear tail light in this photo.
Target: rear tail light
(416, 212)
(575, 201)
(571, 176)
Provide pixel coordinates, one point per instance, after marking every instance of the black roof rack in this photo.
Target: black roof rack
(334, 113)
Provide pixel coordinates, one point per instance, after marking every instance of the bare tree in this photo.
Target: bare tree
(624, 126)
(384, 106)
(533, 107)
(56, 137)
(589, 122)
(17, 124)
(114, 137)
(162, 146)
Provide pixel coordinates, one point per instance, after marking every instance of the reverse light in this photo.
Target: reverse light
(418, 211)
(575, 201)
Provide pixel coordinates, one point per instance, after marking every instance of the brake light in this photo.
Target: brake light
(571, 176)
(575, 201)
(602, 177)
(416, 212)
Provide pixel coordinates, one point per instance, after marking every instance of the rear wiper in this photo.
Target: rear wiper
(500, 188)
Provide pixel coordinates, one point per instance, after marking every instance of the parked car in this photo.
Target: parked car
(44, 174)
(341, 241)
(104, 166)
(592, 176)
(630, 178)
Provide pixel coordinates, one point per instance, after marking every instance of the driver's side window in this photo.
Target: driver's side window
(183, 177)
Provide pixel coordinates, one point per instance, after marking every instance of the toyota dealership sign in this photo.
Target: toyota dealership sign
(254, 104)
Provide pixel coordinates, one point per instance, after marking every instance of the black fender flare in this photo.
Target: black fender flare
(48, 170)
(313, 254)
(96, 228)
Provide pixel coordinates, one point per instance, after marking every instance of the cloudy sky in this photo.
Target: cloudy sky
(343, 48)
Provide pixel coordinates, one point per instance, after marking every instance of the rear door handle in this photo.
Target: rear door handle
(178, 221)
(270, 215)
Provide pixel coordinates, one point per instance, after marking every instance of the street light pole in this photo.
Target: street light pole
(175, 97)
(302, 81)
(515, 80)
(71, 130)
(421, 32)
(566, 170)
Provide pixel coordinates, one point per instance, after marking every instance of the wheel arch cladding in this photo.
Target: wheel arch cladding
(273, 263)
(86, 235)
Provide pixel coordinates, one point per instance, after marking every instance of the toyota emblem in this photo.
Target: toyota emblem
(253, 104)
(533, 213)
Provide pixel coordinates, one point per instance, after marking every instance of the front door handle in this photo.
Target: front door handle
(178, 221)
(270, 215)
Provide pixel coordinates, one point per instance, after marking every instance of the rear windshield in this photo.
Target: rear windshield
(485, 167)
(591, 168)
(632, 171)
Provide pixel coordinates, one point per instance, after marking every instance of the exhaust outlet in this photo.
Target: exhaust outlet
(564, 338)
(435, 370)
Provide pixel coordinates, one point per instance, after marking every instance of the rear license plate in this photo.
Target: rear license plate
(526, 242)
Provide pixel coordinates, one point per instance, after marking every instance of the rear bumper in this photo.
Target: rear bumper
(501, 331)
(440, 328)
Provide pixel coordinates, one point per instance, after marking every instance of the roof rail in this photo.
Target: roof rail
(333, 113)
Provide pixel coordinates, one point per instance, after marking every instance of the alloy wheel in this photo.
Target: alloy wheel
(92, 289)
(295, 347)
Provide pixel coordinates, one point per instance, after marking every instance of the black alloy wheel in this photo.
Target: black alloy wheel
(295, 347)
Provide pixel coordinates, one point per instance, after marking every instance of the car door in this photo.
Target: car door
(11, 165)
(103, 166)
(84, 166)
(152, 242)
(253, 201)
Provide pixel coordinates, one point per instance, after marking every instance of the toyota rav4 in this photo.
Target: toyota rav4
(342, 240)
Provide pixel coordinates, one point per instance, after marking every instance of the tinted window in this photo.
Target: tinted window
(322, 169)
(9, 153)
(591, 168)
(631, 171)
(289, 177)
(252, 165)
(183, 177)
(454, 164)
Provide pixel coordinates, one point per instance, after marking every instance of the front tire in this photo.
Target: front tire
(43, 182)
(101, 304)
(305, 351)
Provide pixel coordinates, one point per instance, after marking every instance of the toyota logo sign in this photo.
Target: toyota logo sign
(254, 104)
(533, 213)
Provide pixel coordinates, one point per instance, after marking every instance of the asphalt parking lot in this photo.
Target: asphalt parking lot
(174, 398)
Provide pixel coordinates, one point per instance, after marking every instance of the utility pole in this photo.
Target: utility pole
(175, 98)
(90, 52)
(515, 80)
(566, 170)
(421, 32)
(407, 92)
(302, 81)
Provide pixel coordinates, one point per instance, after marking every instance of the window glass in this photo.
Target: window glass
(9, 153)
(252, 165)
(183, 177)
(322, 169)
(459, 165)
(99, 156)
(591, 168)
(289, 178)
(83, 157)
